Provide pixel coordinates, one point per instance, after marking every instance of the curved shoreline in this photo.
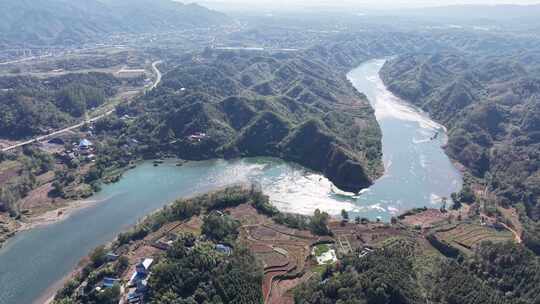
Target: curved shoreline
(219, 174)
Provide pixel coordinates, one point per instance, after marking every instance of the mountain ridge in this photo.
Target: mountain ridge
(61, 22)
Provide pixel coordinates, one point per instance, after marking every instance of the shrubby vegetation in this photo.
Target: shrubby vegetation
(199, 274)
(384, 277)
(262, 105)
(491, 105)
(496, 273)
(196, 272)
(32, 106)
(220, 227)
(33, 162)
(192, 271)
(509, 268)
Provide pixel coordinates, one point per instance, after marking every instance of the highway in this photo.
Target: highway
(73, 127)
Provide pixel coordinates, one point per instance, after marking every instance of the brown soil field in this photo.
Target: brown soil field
(273, 259)
(281, 290)
(471, 235)
(281, 250)
(248, 215)
(425, 219)
(39, 199)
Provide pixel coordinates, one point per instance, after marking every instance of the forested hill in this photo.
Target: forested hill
(492, 108)
(258, 104)
(64, 22)
(31, 106)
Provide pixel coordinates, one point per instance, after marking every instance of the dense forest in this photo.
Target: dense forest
(31, 106)
(197, 273)
(491, 105)
(249, 104)
(401, 274)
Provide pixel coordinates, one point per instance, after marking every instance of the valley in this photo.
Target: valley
(161, 152)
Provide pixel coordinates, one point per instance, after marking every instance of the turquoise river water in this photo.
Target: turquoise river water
(417, 174)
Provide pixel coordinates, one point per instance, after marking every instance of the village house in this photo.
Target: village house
(223, 249)
(197, 137)
(110, 282)
(138, 282)
(85, 144)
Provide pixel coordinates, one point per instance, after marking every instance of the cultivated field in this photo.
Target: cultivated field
(466, 236)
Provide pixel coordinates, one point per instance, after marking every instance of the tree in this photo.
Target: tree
(64, 301)
(344, 217)
(318, 224)
(345, 214)
(121, 265)
(220, 228)
(456, 201)
(466, 195)
(98, 256)
(109, 296)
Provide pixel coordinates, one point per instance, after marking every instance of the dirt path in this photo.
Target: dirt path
(517, 236)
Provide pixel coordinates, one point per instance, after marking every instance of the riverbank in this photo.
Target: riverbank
(275, 243)
(57, 215)
(257, 220)
(48, 218)
(292, 188)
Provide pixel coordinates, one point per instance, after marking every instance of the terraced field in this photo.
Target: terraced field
(284, 254)
(467, 236)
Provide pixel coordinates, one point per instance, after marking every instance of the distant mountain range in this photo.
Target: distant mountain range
(489, 12)
(75, 21)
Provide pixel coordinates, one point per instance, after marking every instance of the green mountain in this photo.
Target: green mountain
(72, 22)
(492, 108)
(258, 104)
(30, 106)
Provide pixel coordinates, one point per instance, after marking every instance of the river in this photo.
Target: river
(418, 173)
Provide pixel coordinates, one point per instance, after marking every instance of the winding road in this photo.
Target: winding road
(44, 137)
(158, 74)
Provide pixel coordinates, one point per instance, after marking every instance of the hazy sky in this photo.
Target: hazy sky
(357, 4)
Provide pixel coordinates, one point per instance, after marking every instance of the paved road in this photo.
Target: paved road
(44, 137)
(158, 74)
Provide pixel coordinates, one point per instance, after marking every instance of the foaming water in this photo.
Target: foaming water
(417, 173)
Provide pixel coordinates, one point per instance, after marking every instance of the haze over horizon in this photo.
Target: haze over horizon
(365, 4)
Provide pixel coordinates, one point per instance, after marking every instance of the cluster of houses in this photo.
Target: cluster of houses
(138, 283)
(83, 150)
